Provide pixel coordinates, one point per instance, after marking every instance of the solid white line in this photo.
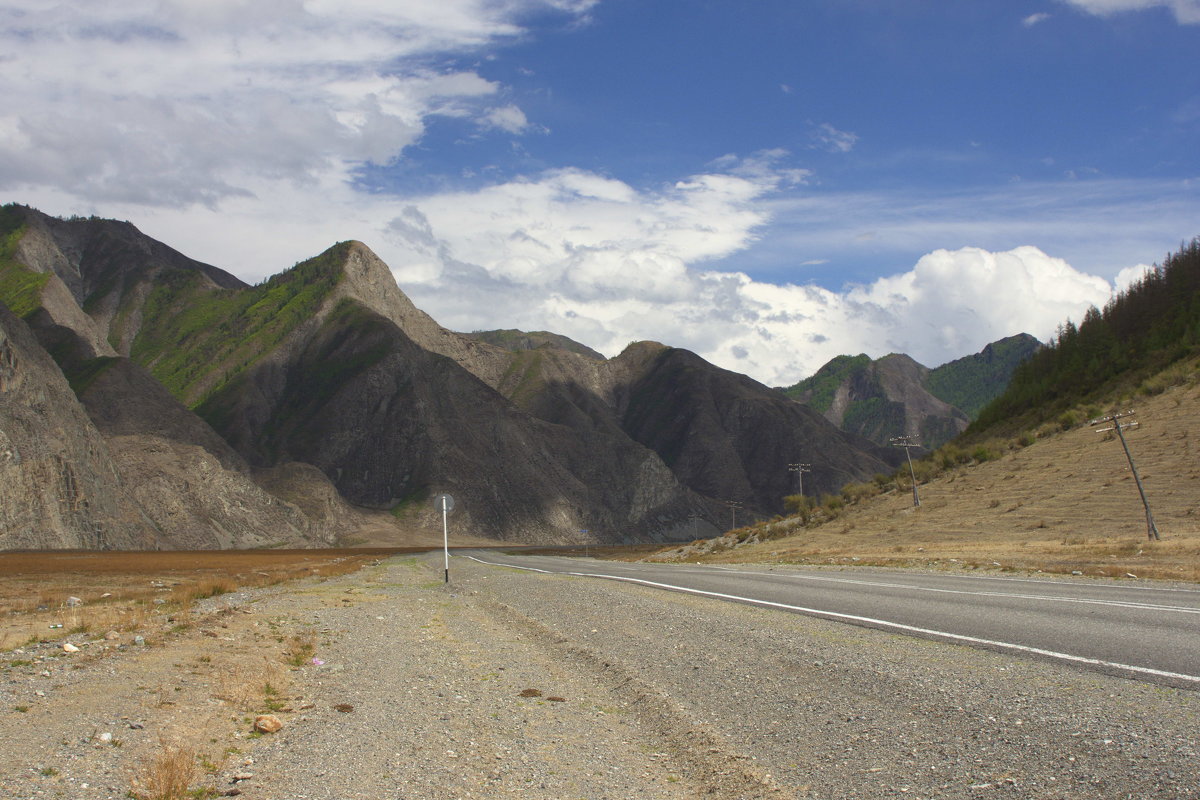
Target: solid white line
(1051, 598)
(1043, 581)
(872, 621)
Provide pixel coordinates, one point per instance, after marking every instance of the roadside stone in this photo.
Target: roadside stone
(69, 648)
(74, 602)
(267, 723)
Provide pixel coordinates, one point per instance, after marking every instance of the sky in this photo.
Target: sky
(769, 183)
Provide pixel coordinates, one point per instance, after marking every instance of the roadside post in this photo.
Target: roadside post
(446, 503)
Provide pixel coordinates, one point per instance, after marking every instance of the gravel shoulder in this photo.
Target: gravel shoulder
(513, 683)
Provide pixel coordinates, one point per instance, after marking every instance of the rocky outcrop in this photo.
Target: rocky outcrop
(60, 485)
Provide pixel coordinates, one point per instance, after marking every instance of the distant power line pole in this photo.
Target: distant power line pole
(734, 505)
(800, 469)
(907, 443)
(695, 518)
(1120, 427)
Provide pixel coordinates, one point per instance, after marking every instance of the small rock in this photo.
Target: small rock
(112, 636)
(139, 640)
(1076, 572)
(1130, 575)
(242, 776)
(106, 594)
(267, 723)
(69, 648)
(158, 601)
(105, 738)
(74, 602)
(137, 726)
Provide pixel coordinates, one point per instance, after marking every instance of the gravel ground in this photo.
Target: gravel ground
(540, 686)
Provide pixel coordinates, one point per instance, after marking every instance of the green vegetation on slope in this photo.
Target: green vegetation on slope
(20, 287)
(195, 339)
(824, 384)
(970, 383)
(1142, 331)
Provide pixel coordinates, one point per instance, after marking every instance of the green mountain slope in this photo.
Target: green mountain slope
(971, 382)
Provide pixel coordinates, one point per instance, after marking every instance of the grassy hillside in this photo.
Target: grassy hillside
(195, 339)
(821, 387)
(20, 287)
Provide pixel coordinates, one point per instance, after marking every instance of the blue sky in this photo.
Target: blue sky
(768, 183)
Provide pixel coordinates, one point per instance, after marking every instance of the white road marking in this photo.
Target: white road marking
(974, 640)
(1118, 603)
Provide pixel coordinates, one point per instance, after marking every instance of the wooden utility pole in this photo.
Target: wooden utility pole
(1120, 427)
(906, 442)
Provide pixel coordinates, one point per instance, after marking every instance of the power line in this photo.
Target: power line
(1120, 427)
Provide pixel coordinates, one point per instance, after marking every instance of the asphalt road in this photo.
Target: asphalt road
(1143, 632)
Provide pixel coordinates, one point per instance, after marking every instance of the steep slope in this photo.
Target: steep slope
(184, 487)
(59, 483)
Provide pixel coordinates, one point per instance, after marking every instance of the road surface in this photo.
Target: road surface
(1144, 632)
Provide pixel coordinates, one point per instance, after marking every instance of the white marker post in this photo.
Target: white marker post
(446, 503)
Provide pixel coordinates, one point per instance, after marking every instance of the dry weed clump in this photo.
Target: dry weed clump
(251, 687)
(166, 774)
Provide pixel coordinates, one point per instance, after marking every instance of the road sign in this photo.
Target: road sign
(443, 502)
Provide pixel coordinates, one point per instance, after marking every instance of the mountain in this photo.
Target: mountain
(326, 382)
(895, 396)
(971, 382)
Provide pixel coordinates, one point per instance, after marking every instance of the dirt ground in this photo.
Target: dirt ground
(124, 591)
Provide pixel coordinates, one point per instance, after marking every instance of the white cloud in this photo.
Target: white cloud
(1187, 12)
(1131, 275)
(1034, 19)
(595, 259)
(174, 102)
(827, 137)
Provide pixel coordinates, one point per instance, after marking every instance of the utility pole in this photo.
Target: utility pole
(1120, 427)
(907, 443)
(734, 505)
(800, 469)
(695, 518)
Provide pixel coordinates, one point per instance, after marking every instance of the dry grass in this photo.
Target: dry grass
(1065, 503)
(166, 774)
(122, 591)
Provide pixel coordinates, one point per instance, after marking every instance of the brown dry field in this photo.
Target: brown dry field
(1067, 503)
(120, 590)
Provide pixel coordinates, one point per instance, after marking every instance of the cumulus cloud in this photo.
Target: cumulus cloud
(173, 102)
(1034, 19)
(1187, 12)
(598, 260)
